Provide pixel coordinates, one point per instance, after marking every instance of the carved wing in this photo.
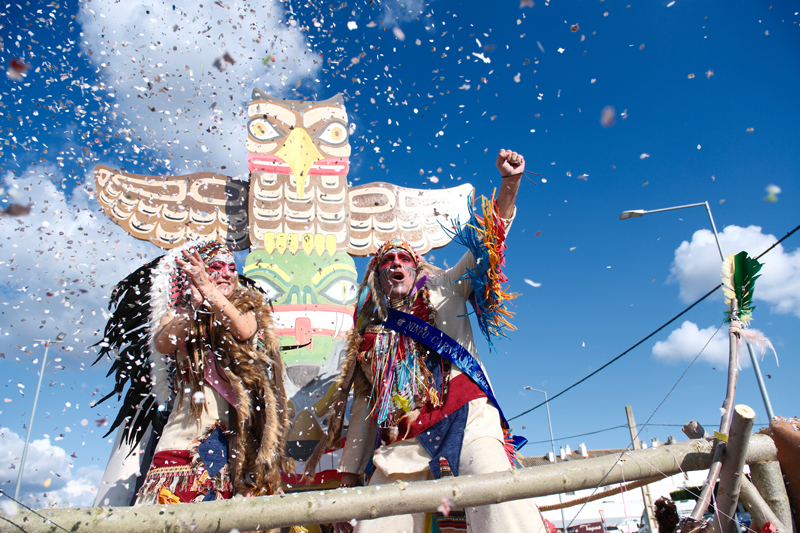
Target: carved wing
(170, 210)
(382, 211)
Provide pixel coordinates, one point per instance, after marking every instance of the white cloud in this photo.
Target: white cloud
(62, 261)
(686, 342)
(396, 12)
(48, 479)
(696, 267)
(158, 62)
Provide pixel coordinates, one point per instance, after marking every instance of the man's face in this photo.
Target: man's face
(398, 272)
(223, 275)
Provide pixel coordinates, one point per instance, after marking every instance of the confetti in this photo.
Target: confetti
(574, 28)
(608, 117)
(532, 283)
(16, 69)
(644, 156)
(16, 210)
(446, 505)
(772, 193)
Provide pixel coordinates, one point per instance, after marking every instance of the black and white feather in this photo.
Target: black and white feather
(139, 301)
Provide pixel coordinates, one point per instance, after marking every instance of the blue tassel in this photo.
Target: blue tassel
(467, 236)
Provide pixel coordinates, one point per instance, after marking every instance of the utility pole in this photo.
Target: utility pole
(46, 343)
(648, 501)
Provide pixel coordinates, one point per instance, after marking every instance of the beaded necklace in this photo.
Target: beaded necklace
(398, 303)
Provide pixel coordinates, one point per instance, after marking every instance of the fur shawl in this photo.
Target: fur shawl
(254, 369)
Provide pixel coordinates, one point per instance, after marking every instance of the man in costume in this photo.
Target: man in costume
(422, 406)
(226, 431)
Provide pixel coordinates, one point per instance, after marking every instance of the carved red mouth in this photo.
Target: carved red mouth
(275, 165)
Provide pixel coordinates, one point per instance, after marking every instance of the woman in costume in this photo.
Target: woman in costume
(422, 405)
(226, 432)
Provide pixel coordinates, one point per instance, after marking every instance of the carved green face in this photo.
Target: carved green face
(313, 297)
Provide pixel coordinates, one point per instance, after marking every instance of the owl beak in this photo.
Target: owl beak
(300, 154)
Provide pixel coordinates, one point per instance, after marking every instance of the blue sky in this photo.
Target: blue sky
(705, 108)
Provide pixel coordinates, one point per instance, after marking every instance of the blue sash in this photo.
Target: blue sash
(450, 349)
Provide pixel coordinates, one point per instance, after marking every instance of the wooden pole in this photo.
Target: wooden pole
(731, 474)
(768, 480)
(648, 501)
(725, 421)
(694, 430)
(758, 508)
(600, 495)
(322, 507)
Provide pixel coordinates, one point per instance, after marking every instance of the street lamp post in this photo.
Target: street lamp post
(59, 338)
(553, 445)
(636, 213)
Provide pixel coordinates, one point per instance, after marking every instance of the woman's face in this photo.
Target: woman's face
(223, 275)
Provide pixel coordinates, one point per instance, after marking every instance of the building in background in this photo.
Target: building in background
(620, 513)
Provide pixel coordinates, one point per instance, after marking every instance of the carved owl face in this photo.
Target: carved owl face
(298, 138)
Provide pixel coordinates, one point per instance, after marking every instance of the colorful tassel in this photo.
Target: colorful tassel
(511, 447)
(401, 382)
(485, 237)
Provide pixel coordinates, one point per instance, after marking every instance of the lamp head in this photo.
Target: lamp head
(636, 213)
(61, 336)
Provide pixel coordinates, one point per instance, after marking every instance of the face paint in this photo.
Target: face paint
(222, 273)
(398, 271)
(221, 266)
(405, 259)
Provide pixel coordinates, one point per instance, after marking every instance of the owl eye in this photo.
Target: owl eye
(262, 130)
(271, 291)
(334, 133)
(341, 291)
